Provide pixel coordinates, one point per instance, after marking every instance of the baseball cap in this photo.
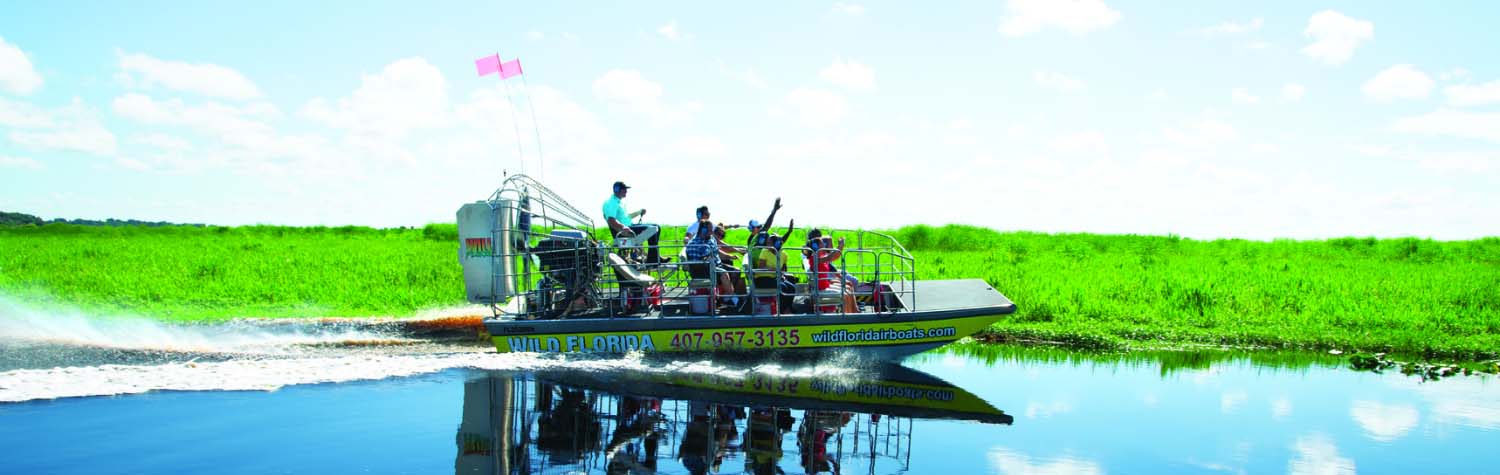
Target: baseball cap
(754, 223)
(620, 185)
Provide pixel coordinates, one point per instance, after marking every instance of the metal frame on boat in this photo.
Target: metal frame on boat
(554, 284)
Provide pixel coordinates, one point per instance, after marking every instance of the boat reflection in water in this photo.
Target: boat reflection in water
(669, 422)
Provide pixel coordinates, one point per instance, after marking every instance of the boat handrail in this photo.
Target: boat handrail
(547, 250)
(883, 271)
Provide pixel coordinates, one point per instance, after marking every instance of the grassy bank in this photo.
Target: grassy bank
(192, 273)
(1410, 296)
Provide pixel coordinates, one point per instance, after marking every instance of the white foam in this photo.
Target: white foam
(269, 374)
(234, 375)
(262, 357)
(22, 323)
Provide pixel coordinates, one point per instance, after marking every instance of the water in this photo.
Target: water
(359, 398)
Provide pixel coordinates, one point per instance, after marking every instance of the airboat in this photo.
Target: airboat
(557, 284)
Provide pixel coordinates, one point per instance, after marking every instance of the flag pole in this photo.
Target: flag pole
(536, 127)
(515, 125)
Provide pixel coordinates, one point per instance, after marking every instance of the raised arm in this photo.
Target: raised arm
(784, 237)
(835, 254)
(772, 218)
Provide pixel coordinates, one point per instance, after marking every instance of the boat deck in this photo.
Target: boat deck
(932, 297)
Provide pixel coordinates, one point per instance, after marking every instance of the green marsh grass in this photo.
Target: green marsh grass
(1409, 296)
(192, 273)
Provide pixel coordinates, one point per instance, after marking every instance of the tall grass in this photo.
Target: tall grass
(1410, 296)
(191, 273)
(1407, 295)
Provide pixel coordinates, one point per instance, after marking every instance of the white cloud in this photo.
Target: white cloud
(1464, 95)
(1085, 142)
(1293, 92)
(813, 107)
(1384, 422)
(866, 145)
(628, 88)
(1040, 410)
(1024, 17)
(406, 95)
(1316, 455)
(534, 35)
(1371, 150)
(237, 125)
(23, 114)
(19, 162)
(1234, 28)
(87, 137)
(161, 141)
(74, 127)
(17, 75)
(1240, 95)
(199, 78)
(624, 85)
(1258, 44)
(1265, 148)
(1453, 123)
(1057, 81)
(155, 150)
(850, 75)
(747, 76)
(1335, 36)
(1280, 408)
(698, 147)
(1456, 74)
(1201, 133)
(1441, 161)
(670, 31)
(241, 138)
(1230, 401)
(1009, 462)
(1402, 81)
(850, 9)
(561, 120)
(1463, 402)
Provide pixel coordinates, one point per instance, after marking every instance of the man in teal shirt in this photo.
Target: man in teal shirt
(622, 224)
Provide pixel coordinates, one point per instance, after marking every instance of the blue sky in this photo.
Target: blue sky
(1208, 119)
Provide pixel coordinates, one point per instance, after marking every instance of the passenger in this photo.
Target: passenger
(703, 253)
(622, 226)
(692, 230)
(728, 256)
(766, 258)
(756, 228)
(821, 255)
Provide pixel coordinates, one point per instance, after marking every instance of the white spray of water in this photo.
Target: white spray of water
(274, 373)
(268, 357)
(66, 326)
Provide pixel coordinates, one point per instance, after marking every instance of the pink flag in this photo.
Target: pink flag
(510, 68)
(491, 64)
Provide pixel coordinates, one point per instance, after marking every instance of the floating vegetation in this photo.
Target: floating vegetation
(1428, 371)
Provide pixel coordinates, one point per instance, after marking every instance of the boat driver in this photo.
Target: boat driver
(621, 224)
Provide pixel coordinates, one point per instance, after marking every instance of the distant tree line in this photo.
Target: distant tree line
(22, 219)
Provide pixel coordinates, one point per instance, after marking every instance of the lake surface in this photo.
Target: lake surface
(341, 400)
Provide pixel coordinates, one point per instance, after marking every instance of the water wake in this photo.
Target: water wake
(20, 324)
(49, 354)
